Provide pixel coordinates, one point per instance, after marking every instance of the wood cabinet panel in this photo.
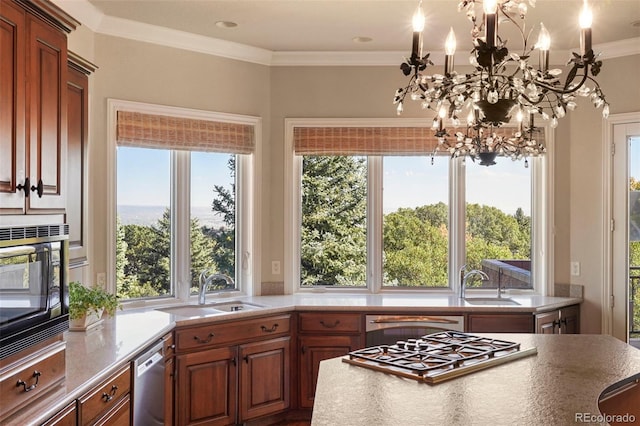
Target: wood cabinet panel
(500, 323)
(47, 116)
(119, 415)
(65, 417)
(312, 350)
(212, 335)
(102, 399)
(12, 106)
(24, 383)
(207, 386)
(562, 321)
(330, 322)
(77, 137)
(264, 378)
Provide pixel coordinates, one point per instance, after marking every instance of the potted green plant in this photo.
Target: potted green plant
(86, 306)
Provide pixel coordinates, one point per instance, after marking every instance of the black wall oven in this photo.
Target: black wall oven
(34, 301)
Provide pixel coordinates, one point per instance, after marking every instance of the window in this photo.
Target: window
(403, 220)
(415, 221)
(179, 184)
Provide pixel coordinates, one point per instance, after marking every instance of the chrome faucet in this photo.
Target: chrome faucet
(465, 277)
(205, 281)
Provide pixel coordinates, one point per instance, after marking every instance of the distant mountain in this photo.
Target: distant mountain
(149, 215)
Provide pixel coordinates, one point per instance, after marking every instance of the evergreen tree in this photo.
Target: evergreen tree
(225, 237)
(333, 233)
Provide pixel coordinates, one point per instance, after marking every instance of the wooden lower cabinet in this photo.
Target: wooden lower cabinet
(230, 381)
(500, 323)
(561, 321)
(264, 378)
(206, 387)
(108, 403)
(68, 416)
(314, 349)
(324, 335)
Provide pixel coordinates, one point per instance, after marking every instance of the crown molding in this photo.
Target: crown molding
(92, 17)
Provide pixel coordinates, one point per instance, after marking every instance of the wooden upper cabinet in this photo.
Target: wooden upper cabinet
(77, 144)
(12, 106)
(47, 116)
(33, 101)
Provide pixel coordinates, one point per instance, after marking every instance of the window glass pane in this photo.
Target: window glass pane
(498, 222)
(333, 234)
(143, 241)
(415, 222)
(213, 219)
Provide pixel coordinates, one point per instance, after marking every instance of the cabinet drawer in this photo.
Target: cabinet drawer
(98, 401)
(225, 333)
(24, 384)
(330, 322)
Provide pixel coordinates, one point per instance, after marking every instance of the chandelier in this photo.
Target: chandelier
(503, 82)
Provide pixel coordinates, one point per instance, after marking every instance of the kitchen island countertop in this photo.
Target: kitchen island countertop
(560, 385)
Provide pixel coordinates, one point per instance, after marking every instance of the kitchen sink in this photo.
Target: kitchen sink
(235, 306)
(210, 308)
(490, 301)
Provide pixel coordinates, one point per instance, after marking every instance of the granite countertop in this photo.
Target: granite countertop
(563, 380)
(94, 355)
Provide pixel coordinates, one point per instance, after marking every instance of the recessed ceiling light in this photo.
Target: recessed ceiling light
(226, 24)
(360, 39)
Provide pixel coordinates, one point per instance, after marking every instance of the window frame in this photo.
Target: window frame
(541, 211)
(248, 200)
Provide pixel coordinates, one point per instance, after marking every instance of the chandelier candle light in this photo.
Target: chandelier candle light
(501, 83)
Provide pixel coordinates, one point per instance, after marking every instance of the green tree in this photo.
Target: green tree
(146, 266)
(414, 251)
(225, 237)
(333, 233)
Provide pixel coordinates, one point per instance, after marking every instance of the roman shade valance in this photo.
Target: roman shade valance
(370, 140)
(181, 133)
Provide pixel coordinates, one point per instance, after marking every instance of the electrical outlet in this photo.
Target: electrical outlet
(575, 269)
(275, 267)
(101, 279)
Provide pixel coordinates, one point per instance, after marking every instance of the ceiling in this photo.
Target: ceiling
(331, 26)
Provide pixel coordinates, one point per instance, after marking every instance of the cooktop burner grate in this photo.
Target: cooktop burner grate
(437, 357)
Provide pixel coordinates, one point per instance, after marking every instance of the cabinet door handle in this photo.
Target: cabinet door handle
(234, 362)
(36, 375)
(269, 330)
(25, 187)
(109, 396)
(39, 189)
(246, 359)
(325, 325)
(303, 350)
(203, 341)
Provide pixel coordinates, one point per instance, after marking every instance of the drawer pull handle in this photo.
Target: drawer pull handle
(26, 388)
(269, 330)
(334, 325)
(109, 396)
(203, 341)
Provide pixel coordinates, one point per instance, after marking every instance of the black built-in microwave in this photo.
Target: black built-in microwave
(34, 298)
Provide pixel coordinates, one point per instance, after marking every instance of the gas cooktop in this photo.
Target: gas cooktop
(438, 357)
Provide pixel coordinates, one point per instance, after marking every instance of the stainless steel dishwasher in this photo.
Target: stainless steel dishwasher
(148, 387)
